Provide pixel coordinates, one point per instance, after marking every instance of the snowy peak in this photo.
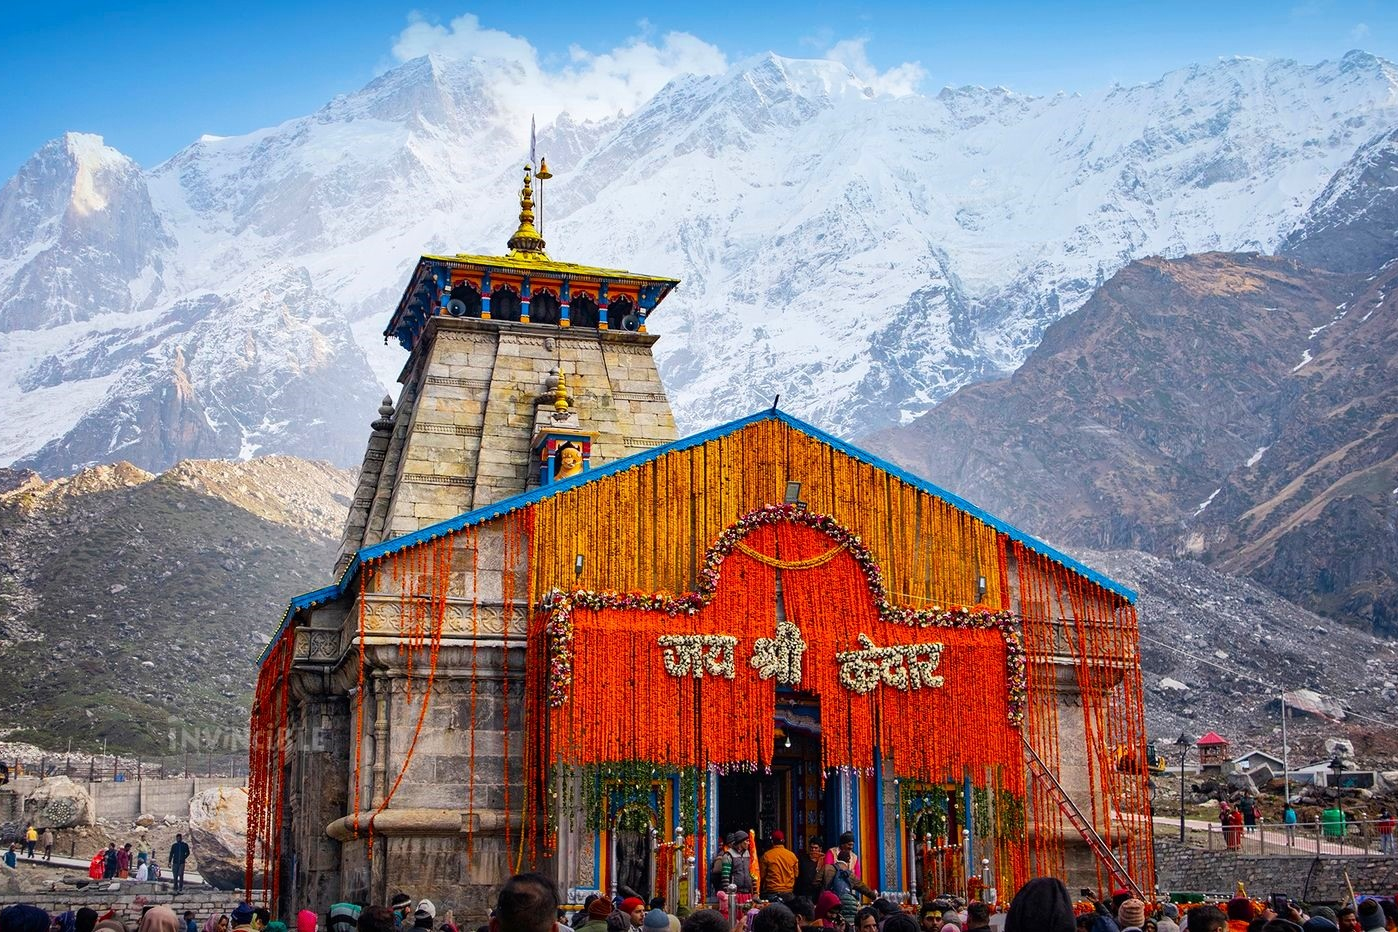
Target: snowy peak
(864, 253)
(433, 91)
(79, 236)
(1353, 225)
(67, 180)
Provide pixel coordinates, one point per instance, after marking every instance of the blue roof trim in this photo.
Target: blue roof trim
(523, 499)
(1028, 540)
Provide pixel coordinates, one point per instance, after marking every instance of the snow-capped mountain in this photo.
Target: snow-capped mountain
(863, 255)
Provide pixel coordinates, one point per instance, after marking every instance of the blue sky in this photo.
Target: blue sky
(152, 77)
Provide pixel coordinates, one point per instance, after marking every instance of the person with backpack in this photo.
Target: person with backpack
(841, 876)
(733, 866)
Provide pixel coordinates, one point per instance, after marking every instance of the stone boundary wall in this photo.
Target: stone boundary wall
(128, 902)
(1305, 877)
(125, 800)
(159, 798)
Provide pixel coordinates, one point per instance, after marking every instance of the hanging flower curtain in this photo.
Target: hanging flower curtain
(690, 681)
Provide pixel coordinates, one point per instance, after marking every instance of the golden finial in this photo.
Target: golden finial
(527, 240)
(543, 174)
(560, 394)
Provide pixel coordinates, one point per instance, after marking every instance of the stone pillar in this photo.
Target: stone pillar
(357, 523)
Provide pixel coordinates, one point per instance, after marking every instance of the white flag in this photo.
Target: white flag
(533, 162)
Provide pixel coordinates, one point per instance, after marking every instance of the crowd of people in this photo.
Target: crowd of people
(531, 903)
(1043, 905)
(139, 863)
(32, 838)
(1237, 820)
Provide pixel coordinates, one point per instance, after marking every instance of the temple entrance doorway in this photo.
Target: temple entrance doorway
(790, 797)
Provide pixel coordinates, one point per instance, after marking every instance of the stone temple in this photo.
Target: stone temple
(560, 638)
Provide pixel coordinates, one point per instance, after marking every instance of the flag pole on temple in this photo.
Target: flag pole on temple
(541, 172)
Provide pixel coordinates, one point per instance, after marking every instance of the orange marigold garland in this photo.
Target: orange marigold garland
(821, 584)
(266, 768)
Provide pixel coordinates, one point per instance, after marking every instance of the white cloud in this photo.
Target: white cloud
(1360, 32)
(591, 85)
(898, 81)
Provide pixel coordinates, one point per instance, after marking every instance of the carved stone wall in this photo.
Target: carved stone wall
(466, 440)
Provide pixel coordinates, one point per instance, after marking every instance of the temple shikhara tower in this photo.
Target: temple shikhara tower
(560, 638)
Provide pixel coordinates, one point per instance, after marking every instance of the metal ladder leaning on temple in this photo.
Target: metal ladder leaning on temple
(1040, 771)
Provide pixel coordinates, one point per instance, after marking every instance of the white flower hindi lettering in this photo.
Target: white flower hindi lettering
(906, 666)
(780, 656)
(699, 655)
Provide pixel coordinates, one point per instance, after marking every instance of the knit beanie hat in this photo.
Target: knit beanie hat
(344, 917)
(1319, 924)
(600, 908)
(1326, 913)
(657, 919)
(400, 901)
(1240, 908)
(827, 901)
(306, 921)
(426, 908)
(242, 914)
(1371, 916)
(630, 903)
(1132, 913)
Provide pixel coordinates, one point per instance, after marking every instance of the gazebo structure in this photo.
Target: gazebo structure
(1213, 751)
(560, 638)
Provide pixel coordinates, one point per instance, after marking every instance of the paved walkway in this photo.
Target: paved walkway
(58, 862)
(1269, 839)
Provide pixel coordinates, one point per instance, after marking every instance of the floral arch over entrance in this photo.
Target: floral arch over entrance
(663, 678)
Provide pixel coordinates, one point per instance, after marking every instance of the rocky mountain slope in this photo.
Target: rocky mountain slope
(133, 606)
(864, 255)
(1217, 652)
(1239, 408)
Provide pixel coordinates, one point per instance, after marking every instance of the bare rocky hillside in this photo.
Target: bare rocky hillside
(134, 606)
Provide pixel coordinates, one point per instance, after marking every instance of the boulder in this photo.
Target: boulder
(1238, 780)
(145, 820)
(10, 887)
(1262, 775)
(1341, 746)
(58, 802)
(218, 825)
(1310, 702)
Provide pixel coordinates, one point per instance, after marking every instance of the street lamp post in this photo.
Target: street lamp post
(1286, 757)
(1182, 742)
